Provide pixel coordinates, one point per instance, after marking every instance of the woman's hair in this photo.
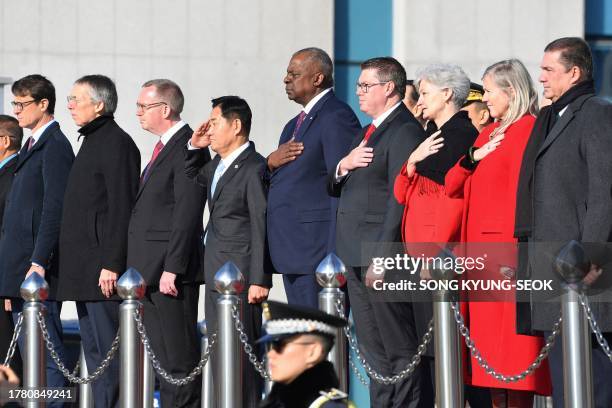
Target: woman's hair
(511, 75)
(446, 76)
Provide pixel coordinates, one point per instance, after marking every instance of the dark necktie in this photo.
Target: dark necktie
(369, 132)
(158, 148)
(30, 143)
(300, 120)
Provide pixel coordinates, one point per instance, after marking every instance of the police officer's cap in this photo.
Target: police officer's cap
(283, 320)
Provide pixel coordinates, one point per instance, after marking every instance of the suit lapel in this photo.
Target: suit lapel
(375, 136)
(162, 155)
(562, 122)
(24, 154)
(230, 172)
(312, 115)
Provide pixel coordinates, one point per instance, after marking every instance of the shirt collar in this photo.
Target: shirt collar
(377, 122)
(165, 138)
(8, 159)
(314, 101)
(36, 135)
(234, 155)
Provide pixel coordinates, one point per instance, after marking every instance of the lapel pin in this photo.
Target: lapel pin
(235, 166)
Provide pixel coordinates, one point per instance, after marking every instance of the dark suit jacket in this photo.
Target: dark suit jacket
(368, 212)
(572, 197)
(301, 215)
(6, 179)
(165, 232)
(237, 224)
(32, 214)
(101, 189)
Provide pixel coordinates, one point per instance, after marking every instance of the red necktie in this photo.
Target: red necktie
(300, 120)
(30, 142)
(158, 148)
(369, 132)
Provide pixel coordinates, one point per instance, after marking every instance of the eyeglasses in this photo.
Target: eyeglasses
(73, 99)
(279, 345)
(20, 105)
(145, 107)
(365, 87)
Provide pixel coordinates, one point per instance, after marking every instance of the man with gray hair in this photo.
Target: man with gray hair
(165, 239)
(101, 188)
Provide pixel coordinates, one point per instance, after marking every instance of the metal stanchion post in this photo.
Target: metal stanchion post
(331, 275)
(207, 381)
(229, 282)
(34, 290)
(572, 266)
(449, 383)
(85, 392)
(130, 287)
(148, 387)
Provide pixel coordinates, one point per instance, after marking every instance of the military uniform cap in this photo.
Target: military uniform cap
(283, 320)
(476, 93)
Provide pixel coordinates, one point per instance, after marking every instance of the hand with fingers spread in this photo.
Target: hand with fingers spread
(166, 284)
(201, 137)
(361, 156)
(429, 146)
(107, 282)
(285, 153)
(487, 148)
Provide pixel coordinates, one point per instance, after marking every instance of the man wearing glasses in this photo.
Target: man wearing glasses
(368, 213)
(93, 240)
(165, 239)
(33, 208)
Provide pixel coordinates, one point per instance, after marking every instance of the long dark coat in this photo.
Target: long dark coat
(101, 189)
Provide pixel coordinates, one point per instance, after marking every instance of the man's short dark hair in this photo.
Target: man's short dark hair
(324, 64)
(102, 90)
(388, 69)
(414, 94)
(170, 93)
(10, 126)
(38, 87)
(575, 52)
(234, 107)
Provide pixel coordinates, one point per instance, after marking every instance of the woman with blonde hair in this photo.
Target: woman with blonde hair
(487, 178)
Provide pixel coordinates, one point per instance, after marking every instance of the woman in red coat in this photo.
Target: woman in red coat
(487, 179)
(430, 216)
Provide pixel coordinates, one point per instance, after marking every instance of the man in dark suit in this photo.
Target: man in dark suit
(30, 228)
(236, 229)
(10, 142)
(165, 240)
(368, 213)
(93, 239)
(564, 192)
(301, 215)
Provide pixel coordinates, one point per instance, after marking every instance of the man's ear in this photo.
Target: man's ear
(485, 116)
(44, 104)
(99, 107)
(576, 74)
(389, 88)
(318, 79)
(237, 126)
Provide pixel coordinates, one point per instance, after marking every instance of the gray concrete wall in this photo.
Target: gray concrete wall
(209, 47)
(477, 33)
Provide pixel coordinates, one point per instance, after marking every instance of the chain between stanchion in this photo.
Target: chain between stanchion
(73, 377)
(595, 326)
(156, 364)
(13, 345)
(355, 370)
(482, 362)
(260, 366)
(387, 380)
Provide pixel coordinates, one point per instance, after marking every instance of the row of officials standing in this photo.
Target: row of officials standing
(80, 221)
